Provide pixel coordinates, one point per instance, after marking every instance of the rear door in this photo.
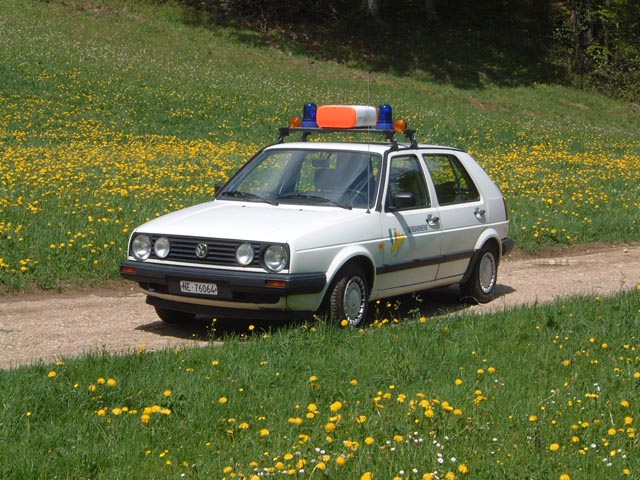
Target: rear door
(462, 211)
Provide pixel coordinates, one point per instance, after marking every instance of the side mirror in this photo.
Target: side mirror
(402, 201)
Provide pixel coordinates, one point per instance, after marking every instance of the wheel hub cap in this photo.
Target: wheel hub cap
(487, 273)
(353, 300)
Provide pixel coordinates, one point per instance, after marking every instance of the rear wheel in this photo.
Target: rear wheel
(349, 297)
(174, 316)
(483, 277)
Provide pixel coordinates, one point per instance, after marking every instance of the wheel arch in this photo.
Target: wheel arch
(488, 239)
(361, 258)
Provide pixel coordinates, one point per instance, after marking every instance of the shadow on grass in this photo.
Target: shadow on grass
(465, 45)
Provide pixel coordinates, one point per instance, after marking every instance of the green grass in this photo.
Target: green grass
(114, 112)
(525, 393)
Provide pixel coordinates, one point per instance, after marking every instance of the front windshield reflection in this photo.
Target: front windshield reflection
(319, 177)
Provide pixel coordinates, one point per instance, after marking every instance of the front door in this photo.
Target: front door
(411, 228)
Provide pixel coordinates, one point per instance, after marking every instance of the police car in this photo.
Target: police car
(316, 227)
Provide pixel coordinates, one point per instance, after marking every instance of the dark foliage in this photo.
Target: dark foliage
(592, 43)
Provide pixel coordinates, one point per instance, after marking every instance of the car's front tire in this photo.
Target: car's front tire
(174, 316)
(349, 297)
(484, 276)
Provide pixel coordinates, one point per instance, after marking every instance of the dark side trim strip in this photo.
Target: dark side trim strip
(423, 262)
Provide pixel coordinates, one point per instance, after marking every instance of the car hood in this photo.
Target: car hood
(252, 221)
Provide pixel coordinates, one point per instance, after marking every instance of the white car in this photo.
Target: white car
(310, 227)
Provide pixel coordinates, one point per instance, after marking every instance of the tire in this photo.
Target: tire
(349, 297)
(484, 276)
(173, 316)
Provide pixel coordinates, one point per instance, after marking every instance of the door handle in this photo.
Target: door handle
(432, 221)
(479, 212)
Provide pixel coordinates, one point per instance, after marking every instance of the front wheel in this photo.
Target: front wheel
(174, 316)
(484, 276)
(349, 297)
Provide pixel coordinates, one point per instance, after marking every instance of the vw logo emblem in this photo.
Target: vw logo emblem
(201, 250)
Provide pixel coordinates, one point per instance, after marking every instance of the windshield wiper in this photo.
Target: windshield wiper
(248, 195)
(316, 198)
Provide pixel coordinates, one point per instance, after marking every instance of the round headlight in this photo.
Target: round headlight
(162, 247)
(275, 257)
(244, 254)
(141, 247)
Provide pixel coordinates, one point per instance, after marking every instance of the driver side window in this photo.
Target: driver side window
(407, 187)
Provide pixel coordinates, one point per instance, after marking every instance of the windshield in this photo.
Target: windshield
(319, 177)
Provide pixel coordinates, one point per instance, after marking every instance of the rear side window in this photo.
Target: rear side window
(452, 182)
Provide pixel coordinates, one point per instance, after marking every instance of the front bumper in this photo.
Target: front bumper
(232, 286)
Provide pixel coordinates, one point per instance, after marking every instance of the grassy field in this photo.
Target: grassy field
(549, 392)
(113, 113)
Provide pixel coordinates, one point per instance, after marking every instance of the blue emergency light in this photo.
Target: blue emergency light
(385, 117)
(309, 115)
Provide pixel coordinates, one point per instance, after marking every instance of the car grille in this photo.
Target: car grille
(220, 251)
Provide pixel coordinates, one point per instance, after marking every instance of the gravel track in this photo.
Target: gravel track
(47, 326)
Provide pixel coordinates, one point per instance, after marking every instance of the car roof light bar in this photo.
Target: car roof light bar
(348, 119)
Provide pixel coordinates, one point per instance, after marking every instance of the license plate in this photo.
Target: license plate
(198, 288)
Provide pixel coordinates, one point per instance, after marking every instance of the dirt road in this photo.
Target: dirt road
(48, 326)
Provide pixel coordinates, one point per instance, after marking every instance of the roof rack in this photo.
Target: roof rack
(390, 134)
